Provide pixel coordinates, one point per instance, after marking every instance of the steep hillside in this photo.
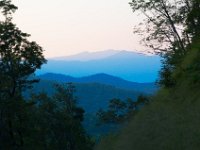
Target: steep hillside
(171, 121)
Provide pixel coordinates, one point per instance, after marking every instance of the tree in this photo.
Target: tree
(192, 18)
(170, 27)
(58, 121)
(121, 111)
(41, 122)
(19, 58)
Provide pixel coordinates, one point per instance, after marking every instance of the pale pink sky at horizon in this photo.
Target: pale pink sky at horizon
(66, 27)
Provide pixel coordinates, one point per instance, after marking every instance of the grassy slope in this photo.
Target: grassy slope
(171, 121)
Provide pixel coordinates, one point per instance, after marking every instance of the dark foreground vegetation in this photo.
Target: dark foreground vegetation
(171, 120)
(40, 122)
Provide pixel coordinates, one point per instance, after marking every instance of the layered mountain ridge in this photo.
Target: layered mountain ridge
(102, 78)
(127, 65)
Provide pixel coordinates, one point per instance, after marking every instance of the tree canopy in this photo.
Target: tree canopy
(40, 122)
(169, 29)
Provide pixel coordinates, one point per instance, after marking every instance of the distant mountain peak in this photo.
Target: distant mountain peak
(104, 75)
(87, 56)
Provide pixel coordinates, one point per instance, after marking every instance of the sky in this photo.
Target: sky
(66, 27)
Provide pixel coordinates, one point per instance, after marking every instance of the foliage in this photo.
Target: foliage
(170, 28)
(42, 123)
(19, 58)
(57, 121)
(171, 120)
(120, 111)
(99, 94)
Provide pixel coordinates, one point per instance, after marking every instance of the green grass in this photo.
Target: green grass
(163, 125)
(171, 121)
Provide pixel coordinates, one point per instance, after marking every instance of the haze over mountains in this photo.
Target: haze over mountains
(99, 77)
(127, 65)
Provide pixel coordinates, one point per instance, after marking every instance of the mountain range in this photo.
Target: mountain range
(94, 92)
(128, 65)
(99, 77)
(147, 88)
(87, 56)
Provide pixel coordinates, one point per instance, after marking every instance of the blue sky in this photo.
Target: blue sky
(65, 27)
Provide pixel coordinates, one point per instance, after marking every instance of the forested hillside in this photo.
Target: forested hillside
(171, 120)
(90, 96)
